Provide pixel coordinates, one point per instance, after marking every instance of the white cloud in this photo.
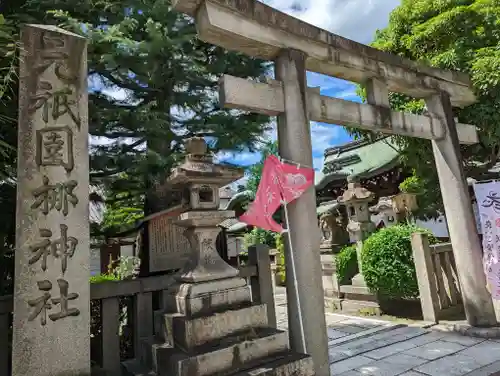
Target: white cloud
(243, 158)
(323, 135)
(116, 93)
(353, 19)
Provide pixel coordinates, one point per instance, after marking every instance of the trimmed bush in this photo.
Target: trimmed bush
(346, 264)
(387, 262)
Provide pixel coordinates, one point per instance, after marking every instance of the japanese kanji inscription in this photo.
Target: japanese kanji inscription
(62, 248)
(54, 103)
(54, 147)
(45, 302)
(55, 196)
(51, 308)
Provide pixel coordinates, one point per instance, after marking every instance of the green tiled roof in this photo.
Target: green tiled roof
(327, 206)
(238, 199)
(359, 158)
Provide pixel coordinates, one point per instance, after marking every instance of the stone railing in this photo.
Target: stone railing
(144, 296)
(437, 278)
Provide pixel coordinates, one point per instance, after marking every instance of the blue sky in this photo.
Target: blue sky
(355, 19)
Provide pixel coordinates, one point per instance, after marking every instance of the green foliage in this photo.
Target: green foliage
(280, 264)
(9, 48)
(429, 199)
(122, 212)
(461, 35)
(387, 262)
(124, 268)
(259, 236)
(169, 79)
(346, 264)
(103, 278)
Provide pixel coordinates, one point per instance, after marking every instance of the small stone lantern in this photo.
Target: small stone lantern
(385, 211)
(356, 200)
(200, 179)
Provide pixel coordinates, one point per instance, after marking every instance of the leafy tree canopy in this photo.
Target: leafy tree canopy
(461, 35)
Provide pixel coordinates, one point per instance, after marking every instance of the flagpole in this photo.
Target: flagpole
(290, 249)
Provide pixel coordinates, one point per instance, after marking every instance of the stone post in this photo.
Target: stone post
(333, 236)
(357, 200)
(51, 330)
(294, 140)
(459, 215)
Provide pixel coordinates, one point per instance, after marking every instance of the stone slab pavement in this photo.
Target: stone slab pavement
(362, 346)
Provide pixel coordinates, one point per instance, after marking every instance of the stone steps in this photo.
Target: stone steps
(192, 332)
(226, 342)
(287, 364)
(219, 356)
(283, 364)
(134, 367)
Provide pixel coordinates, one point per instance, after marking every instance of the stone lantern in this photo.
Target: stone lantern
(356, 200)
(199, 180)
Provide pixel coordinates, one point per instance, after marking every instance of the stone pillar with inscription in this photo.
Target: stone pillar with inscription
(209, 324)
(51, 330)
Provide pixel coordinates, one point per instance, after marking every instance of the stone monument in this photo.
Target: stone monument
(209, 325)
(51, 330)
(357, 200)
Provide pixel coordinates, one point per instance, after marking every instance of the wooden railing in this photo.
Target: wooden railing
(126, 307)
(437, 278)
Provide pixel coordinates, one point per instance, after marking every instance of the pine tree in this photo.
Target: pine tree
(165, 82)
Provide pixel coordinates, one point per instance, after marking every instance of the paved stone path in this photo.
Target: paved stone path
(361, 346)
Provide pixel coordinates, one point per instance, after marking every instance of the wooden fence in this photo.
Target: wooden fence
(437, 278)
(125, 309)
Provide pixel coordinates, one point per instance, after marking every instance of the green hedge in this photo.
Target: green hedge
(346, 264)
(387, 262)
(280, 264)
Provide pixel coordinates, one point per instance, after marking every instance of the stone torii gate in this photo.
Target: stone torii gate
(258, 30)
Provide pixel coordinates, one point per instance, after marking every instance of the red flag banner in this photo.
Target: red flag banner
(280, 182)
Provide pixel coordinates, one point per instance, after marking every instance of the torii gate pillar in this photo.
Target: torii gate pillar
(461, 224)
(303, 266)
